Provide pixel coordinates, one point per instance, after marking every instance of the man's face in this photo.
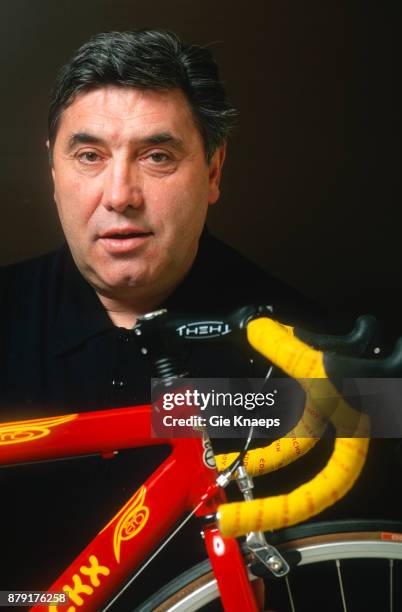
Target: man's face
(132, 187)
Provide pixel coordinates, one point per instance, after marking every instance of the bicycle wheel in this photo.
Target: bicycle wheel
(332, 558)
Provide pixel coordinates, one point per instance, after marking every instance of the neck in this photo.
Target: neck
(124, 313)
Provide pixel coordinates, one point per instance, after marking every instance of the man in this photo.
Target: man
(138, 125)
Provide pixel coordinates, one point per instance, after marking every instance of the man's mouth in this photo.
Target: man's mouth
(126, 240)
(125, 236)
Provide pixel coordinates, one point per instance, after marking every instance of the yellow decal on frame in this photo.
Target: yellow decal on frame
(27, 431)
(80, 589)
(132, 521)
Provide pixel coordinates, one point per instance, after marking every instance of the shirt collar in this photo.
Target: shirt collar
(191, 293)
(80, 314)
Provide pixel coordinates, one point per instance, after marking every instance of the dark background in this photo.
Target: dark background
(311, 188)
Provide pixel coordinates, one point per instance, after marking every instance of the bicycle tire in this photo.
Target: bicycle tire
(315, 543)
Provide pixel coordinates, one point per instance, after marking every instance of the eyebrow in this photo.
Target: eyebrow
(153, 139)
(163, 138)
(83, 138)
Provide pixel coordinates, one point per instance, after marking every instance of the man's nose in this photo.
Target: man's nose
(123, 187)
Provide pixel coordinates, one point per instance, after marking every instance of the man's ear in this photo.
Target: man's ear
(215, 173)
(49, 154)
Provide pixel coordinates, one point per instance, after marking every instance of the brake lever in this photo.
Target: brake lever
(256, 542)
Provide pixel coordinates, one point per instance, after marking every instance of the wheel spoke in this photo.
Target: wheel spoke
(338, 568)
(391, 585)
(292, 605)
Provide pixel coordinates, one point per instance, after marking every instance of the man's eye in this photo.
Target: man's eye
(88, 157)
(159, 157)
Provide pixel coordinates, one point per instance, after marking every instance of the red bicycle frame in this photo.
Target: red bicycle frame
(186, 478)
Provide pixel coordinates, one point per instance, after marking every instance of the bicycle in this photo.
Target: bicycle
(189, 479)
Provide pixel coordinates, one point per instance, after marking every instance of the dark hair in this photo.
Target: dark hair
(147, 59)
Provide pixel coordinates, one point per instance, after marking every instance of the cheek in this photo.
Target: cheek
(180, 204)
(76, 201)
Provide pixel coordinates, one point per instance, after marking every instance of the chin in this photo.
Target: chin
(120, 284)
(122, 280)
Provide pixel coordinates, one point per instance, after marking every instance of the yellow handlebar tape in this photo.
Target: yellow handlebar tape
(278, 343)
(300, 361)
(280, 453)
(283, 451)
(329, 485)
